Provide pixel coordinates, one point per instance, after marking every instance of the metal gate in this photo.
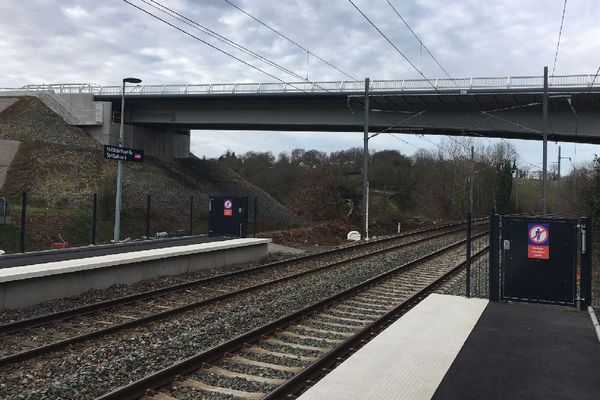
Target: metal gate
(228, 216)
(536, 259)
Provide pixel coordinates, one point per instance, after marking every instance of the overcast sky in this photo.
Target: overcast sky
(104, 41)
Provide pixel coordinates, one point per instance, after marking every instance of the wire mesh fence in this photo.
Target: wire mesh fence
(478, 284)
(596, 264)
(34, 223)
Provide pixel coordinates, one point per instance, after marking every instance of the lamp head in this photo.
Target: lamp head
(132, 80)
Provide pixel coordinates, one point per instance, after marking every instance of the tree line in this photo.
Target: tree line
(429, 185)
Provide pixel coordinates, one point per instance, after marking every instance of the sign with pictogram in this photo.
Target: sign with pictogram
(538, 241)
(228, 208)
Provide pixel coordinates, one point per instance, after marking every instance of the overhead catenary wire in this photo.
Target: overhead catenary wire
(395, 136)
(448, 75)
(293, 85)
(289, 39)
(393, 45)
(422, 45)
(182, 18)
(207, 43)
(562, 20)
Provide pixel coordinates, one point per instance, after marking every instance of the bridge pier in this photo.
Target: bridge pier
(98, 119)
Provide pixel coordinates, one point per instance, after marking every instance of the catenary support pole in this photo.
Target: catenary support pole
(545, 145)
(365, 168)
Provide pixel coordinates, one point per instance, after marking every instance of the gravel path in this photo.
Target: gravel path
(87, 370)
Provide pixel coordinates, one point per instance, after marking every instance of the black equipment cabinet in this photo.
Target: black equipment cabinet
(228, 216)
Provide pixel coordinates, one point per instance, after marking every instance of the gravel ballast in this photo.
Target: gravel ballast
(90, 369)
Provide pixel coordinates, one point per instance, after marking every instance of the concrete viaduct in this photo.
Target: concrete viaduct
(161, 116)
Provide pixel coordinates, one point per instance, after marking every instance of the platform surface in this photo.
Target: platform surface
(71, 253)
(526, 351)
(84, 264)
(409, 359)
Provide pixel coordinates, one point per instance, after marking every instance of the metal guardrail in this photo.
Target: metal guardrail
(381, 86)
(50, 96)
(60, 107)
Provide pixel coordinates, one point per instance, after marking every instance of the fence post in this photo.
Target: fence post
(148, 216)
(494, 267)
(255, 215)
(23, 216)
(94, 217)
(586, 263)
(468, 261)
(191, 213)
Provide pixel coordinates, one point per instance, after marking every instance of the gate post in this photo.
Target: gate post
(94, 218)
(585, 284)
(468, 261)
(23, 219)
(494, 267)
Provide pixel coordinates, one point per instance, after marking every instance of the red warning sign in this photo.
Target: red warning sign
(228, 208)
(538, 241)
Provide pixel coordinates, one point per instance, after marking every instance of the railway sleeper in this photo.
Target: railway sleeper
(260, 350)
(306, 337)
(277, 367)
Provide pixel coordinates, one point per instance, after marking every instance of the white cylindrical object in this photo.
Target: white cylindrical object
(594, 321)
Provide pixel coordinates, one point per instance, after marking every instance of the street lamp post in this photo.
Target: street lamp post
(117, 229)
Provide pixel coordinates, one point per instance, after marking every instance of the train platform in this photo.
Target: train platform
(28, 285)
(450, 347)
(71, 253)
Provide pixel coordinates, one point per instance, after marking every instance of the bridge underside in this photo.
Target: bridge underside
(574, 115)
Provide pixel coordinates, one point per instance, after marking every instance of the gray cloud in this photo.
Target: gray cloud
(102, 41)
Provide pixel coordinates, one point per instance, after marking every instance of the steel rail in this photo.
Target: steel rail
(317, 369)
(36, 351)
(156, 380)
(107, 304)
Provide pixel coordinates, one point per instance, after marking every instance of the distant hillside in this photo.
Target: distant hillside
(60, 166)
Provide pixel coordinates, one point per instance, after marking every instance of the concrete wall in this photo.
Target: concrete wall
(6, 102)
(8, 150)
(161, 141)
(28, 292)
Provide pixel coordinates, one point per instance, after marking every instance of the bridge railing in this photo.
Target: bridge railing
(405, 85)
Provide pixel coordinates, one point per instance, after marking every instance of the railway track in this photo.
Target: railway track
(279, 359)
(25, 339)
